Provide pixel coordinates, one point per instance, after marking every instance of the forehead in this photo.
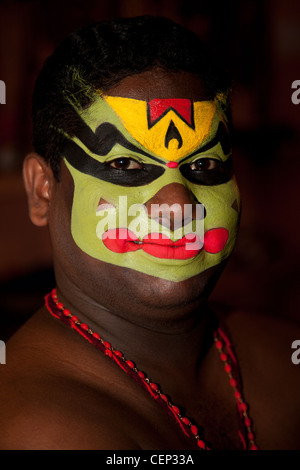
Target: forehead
(158, 83)
(169, 128)
(168, 113)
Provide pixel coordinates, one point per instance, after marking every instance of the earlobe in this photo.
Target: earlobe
(38, 179)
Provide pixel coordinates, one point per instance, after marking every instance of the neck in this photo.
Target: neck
(183, 341)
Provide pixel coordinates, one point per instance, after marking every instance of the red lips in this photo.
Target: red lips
(159, 245)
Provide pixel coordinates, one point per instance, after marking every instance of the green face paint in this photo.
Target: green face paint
(111, 167)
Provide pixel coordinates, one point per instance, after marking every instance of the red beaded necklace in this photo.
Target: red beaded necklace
(223, 345)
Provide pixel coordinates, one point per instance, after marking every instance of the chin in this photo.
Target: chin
(160, 293)
(139, 296)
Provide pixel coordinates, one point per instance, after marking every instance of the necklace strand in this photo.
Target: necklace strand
(57, 309)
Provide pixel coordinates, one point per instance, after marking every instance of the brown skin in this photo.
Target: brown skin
(61, 393)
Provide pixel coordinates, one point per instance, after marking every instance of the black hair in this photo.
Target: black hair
(99, 56)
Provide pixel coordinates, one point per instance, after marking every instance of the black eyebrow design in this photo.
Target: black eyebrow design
(105, 138)
(221, 136)
(88, 165)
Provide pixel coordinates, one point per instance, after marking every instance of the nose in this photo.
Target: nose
(173, 206)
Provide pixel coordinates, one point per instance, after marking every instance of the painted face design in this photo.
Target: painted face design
(125, 153)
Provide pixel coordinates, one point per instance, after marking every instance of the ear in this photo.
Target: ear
(38, 179)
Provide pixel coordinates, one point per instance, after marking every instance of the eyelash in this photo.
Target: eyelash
(205, 164)
(128, 161)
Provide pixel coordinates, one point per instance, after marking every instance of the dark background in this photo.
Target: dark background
(260, 41)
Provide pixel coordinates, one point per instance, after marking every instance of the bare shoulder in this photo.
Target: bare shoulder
(50, 402)
(40, 415)
(265, 348)
(61, 393)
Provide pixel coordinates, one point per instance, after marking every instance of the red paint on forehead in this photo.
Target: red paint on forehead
(183, 107)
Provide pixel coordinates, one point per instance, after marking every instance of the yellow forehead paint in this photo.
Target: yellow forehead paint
(169, 128)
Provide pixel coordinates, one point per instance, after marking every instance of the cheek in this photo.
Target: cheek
(222, 207)
(96, 206)
(87, 196)
(97, 203)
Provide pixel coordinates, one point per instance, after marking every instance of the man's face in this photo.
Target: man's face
(136, 155)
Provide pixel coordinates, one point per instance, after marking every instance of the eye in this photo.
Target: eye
(124, 163)
(205, 164)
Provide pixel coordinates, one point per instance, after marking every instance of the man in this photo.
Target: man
(133, 175)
